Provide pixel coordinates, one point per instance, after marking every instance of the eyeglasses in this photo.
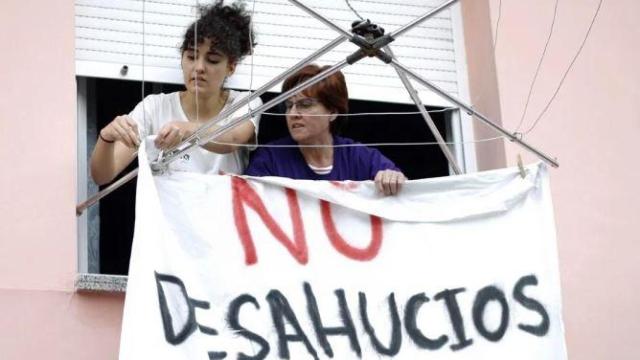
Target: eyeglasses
(303, 104)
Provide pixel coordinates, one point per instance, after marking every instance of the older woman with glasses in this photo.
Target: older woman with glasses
(313, 151)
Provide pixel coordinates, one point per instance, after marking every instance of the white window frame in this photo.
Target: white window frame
(82, 167)
(461, 122)
(86, 188)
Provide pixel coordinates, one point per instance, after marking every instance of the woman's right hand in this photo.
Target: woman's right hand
(124, 129)
(389, 181)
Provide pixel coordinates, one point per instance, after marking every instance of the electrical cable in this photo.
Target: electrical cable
(353, 10)
(495, 36)
(593, 20)
(535, 75)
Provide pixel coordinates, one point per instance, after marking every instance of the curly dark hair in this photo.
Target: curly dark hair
(229, 28)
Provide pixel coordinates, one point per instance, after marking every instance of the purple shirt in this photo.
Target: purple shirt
(349, 163)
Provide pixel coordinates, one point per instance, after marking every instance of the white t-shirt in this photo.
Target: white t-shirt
(160, 109)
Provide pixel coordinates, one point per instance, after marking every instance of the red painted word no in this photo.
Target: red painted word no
(243, 195)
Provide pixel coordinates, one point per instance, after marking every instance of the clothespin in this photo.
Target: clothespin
(523, 172)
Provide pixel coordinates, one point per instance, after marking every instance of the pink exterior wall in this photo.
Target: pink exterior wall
(41, 315)
(483, 87)
(592, 128)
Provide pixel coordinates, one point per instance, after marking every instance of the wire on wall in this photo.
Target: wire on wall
(542, 56)
(564, 76)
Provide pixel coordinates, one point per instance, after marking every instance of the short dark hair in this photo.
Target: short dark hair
(331, 91)
(229, 28)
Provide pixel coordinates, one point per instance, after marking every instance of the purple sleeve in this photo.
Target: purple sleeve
(260, 164)
(380, 162)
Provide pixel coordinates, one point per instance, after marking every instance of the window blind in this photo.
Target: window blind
(111, 34)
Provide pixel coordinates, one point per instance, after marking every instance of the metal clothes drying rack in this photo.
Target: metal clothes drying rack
(372, 42)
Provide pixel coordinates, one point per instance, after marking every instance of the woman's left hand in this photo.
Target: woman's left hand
(389, 182)
(172, 134)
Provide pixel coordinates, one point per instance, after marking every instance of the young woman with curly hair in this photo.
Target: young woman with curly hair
(223, 35)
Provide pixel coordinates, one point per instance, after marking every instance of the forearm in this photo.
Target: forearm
(103, 162)
(231, 139)
(219, 145)
(174, 133)
(109, 159)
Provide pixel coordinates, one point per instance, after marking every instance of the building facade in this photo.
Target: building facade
(590, 127)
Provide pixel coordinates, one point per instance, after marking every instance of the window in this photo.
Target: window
(111, 35)
(109, 224)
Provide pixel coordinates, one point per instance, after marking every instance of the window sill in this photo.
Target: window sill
(101, 283)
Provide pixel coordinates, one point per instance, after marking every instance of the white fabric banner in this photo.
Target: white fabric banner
(461, 267)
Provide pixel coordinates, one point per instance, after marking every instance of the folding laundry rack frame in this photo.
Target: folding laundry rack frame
(371, 42)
